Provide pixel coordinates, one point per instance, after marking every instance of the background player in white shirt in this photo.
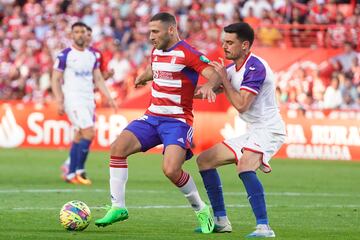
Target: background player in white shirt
(104, 72)
(249, 86)
(78, 69)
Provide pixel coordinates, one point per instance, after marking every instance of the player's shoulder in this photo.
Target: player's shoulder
(64, 52)
(230, 66)
(95, 51)
(92, 49)
(256, 63)
(187, 48)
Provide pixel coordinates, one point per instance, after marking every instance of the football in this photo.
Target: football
(75, 216)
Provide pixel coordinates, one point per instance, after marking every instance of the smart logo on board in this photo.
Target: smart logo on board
(11, 134)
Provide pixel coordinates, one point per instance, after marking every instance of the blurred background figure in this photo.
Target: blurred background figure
(33, 32)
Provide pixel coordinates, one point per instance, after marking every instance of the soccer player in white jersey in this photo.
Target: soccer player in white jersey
(106, 74)
(249, 85)
(175, 67)
(78, 69)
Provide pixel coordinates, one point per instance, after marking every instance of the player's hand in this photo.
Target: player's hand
(220, 68)
(111, 73)
(139, 81)
(113, 104)
(206, 91)
(60, 108)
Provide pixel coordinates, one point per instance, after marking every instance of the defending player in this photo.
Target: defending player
(249, 85)
(78, 67)
(175, 67)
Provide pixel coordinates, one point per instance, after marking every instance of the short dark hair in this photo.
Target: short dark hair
(88, 28)
(243, 31)
(164, 17)
(78, 24)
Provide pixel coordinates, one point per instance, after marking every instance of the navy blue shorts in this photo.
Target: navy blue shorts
(153, 130)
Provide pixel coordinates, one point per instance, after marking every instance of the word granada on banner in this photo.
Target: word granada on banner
(118, 162)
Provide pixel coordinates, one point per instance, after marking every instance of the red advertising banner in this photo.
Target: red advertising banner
(331, 135)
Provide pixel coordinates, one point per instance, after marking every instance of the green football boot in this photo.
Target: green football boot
(114, 214)
(205, 219)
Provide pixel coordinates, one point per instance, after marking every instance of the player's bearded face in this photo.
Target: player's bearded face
(79, 36)
(232, 46)
(159, 35)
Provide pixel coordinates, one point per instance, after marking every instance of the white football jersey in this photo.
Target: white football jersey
(256, 77)
(78, 82)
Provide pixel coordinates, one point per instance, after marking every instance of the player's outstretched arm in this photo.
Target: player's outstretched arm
(143, 78)
(208, 89)
(100, 83)
(56, 89)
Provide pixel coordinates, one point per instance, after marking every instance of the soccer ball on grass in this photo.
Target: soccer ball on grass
(75, 216)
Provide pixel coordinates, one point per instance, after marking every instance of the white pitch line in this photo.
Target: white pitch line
(185, 206)
(70, 190)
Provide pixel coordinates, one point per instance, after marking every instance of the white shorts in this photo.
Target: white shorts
(81, 117)
(257, 140)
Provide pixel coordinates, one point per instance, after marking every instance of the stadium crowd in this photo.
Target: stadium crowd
(32, 32)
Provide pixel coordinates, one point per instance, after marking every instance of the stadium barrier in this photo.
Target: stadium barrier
(331, 135)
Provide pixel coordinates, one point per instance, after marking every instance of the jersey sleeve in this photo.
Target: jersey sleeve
(60, 61)
(254, 78)
(195, 59)
(96, 64)
(97, 58)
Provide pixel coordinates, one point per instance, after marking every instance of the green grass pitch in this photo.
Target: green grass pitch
(306, 199)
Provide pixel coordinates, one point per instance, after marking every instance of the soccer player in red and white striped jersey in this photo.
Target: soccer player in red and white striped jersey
(175, 68)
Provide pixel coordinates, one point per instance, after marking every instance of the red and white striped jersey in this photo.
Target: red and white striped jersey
(175, 76)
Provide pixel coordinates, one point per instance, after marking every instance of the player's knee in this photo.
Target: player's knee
(205, 161)
(88, 133)
(172, 173)
(117, 149)
(201, 162)
(246, 164)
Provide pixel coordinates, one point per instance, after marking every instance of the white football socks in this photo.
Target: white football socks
(191, 193)
(118, 179)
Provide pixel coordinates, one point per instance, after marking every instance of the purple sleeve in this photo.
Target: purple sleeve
(254, 76)
(60, 62)
(97, 62)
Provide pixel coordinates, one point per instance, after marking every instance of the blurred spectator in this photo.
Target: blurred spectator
(32, 32)
(344, 61)
(251, 19)
(268, 35)
(332, 97)
(257, 6)
(319, 14)
(336, 33)
(121, 66)
(287, 9)
(348, 89)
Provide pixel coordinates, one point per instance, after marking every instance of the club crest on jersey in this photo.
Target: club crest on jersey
(204, 59)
